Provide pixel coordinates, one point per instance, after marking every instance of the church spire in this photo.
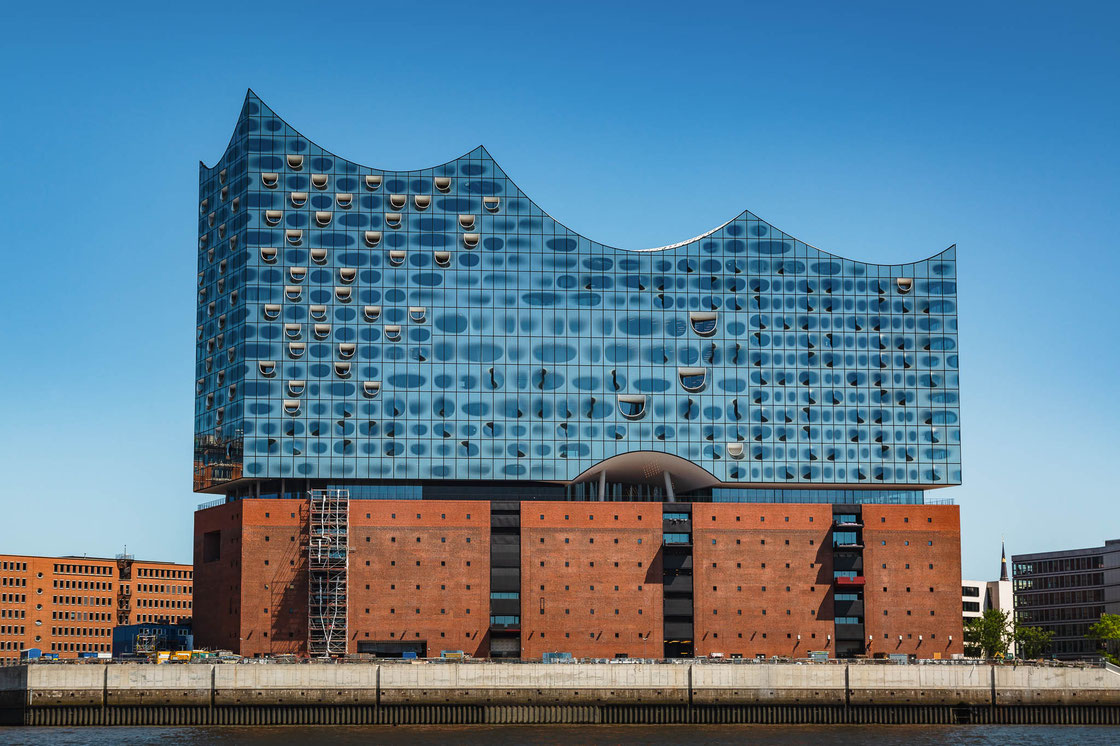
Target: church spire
(1003, 561)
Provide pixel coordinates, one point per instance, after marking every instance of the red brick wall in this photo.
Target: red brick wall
(274, 577)
(217, 584)
(608, 572)
(897, 598)
(762, 575)
(420, 570)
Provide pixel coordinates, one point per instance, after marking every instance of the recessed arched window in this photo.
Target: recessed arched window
(322, 331)
(470, 240)
(204, 205)
(421, 201)
(272, 311)
(704, 323)
(296, 388)
(296, 349)
(342, 370)
(295, 162)
(371, 388)
(372, 313)
(904, 284)
(299, 199)
(319, 181)
(293, 331)
(294, 236)
(297, 273)
(293, 292)
(393, 332)
(291, 406)
(735, 450)
(318, 313)
(416, 314)
(344, 199)
(373, 182)
(632, 406)
(270, 180)
(346, 350)
(347, 274)
(268, 255)
(343, 294)
(396, 258)
(323, 219)
(491, 203)
(393, 219)
(443, 183)
(443, 258)
(273, 217)
(693, 379)
(397, 201)
(373, 238)
(466, 222)
(319, 256)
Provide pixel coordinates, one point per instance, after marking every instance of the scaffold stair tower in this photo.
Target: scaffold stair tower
(328, 562)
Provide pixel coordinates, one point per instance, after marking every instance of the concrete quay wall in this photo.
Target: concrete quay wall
(224, 685)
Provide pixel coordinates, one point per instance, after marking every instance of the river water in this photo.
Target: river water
(565, 735)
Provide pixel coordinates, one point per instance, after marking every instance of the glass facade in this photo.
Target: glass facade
(356, 325)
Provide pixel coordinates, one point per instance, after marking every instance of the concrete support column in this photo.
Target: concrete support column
(603, 485)
(669, 487)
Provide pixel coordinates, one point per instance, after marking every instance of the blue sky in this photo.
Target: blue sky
(880, 131)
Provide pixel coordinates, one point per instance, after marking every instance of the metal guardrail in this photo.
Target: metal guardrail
(212, 504)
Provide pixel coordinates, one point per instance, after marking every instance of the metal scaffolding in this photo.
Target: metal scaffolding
(328, 561)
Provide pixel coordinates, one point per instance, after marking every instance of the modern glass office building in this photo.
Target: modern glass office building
(436, 335)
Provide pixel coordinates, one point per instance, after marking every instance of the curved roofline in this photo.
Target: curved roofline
(668, 247)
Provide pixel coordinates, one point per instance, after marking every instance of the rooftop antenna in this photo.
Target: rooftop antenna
(1003, 560)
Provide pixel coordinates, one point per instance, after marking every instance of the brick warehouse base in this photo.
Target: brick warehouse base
(594, 579)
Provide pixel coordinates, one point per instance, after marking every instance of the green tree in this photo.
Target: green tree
(1107, 633)
(989, 635)
(1032, 642)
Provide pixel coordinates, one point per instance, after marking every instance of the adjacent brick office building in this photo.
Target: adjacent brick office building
(69, 605)
(438, 419)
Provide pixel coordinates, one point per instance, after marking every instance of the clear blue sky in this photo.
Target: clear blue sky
(880, 131)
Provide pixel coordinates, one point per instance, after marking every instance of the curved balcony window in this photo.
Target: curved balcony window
(294, 236)
(212, 218)
(268, 255)
(443, 183)
(735, 450)
(299, 199)
(398, 201)
(443, 258)
(421, 201)
(416, 314)
(319, 181)
(904, 284)
(297, 273)
(296, 388)
(693, 379)
(296, 350)
(396, 258)
(272, 311)
(343, 294)
(318, 313)
(270, 180)
(323, 219)
(372, 313)
(344, 199)
(209, 400)
(393, 219)
(233, 296)
(373, 182)
(293, 292)
(223, 175)
(295, 162)
(371, 388)
(221, 415)
(233, 243)
(225, 193)
(470, 240)
(632, 406)
(466, 222)
(293, 331)
(393, 333)
(273, 217)
(319, 256)
(232, 391)
(346, 350)
(322, 331)
(491, 203)
(204, 205)
(704, 323)
(373, 238)
(342, 370)
(291, 406)
(347, 274)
